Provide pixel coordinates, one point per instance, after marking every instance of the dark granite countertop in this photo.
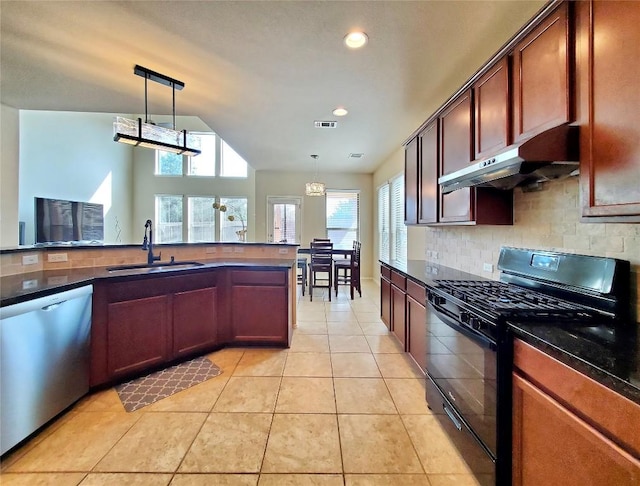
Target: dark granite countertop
(608, 355)
(85, 246)
(27, 286)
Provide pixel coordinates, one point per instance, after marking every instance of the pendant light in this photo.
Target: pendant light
(149, 135)
(315, 188)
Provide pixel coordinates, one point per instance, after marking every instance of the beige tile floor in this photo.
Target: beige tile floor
(342, 406)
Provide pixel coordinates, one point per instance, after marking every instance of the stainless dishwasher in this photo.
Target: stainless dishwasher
(44, 360)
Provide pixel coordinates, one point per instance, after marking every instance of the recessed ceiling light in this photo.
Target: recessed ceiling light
(340, 111)
(355, 40)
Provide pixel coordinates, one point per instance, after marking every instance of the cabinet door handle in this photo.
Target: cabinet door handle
(453, 418)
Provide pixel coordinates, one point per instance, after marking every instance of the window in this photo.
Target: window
(383, 222)
(233, 222)
(232, 165)
(168, 163)
(343, 215)
(213, 148)
(205, 163)
(201, 217)
(168, 227)
(397, 227)
(392, 231)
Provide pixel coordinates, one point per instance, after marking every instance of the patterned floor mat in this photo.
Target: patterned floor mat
(146, 390)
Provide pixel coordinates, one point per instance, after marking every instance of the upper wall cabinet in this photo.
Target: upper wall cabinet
(456, 149)
(542, 77)
(429, 150)
(411, 182)
(608, 70)
(492, 110)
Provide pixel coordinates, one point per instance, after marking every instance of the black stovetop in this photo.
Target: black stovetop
(512, 301)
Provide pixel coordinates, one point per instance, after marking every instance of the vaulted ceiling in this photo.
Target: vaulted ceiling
(259, 73)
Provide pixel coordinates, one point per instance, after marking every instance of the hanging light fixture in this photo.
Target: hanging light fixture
(315, 188)
(149, 135)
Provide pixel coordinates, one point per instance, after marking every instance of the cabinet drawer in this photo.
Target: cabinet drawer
(399, 280)
(257, 277)
(417, 291)
(610, 412)
(386, 272)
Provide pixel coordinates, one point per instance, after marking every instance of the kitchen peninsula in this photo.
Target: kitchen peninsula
(146, 317)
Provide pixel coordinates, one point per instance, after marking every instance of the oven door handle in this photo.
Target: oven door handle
(478, 337)
(452, 417)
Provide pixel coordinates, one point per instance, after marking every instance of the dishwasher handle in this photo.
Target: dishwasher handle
(50, 307)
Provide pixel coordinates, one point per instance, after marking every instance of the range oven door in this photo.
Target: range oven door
(462, 368)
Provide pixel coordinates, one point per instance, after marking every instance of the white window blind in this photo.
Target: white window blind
(343, 216)
(398, 228)
(392, 232)
(383, 222)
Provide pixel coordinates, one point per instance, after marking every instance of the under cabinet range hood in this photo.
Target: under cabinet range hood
(549, 155)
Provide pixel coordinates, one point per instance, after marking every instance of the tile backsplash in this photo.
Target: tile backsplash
(547, 220)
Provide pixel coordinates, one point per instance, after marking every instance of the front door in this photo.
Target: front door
(284, 219)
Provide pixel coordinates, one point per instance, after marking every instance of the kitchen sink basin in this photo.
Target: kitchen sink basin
(155, 267)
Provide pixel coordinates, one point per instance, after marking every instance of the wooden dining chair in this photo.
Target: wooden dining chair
(302, 276)
(321, 253)
(347, 271)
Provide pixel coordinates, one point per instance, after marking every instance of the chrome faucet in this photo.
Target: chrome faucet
(147, 243)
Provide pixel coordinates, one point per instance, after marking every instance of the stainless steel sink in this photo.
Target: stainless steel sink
(155, 267)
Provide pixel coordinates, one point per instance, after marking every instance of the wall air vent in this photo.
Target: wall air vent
(356, 156)
(325, 124)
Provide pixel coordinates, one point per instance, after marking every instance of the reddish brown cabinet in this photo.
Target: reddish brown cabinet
(456, 152)
(542, 89)
(259, 307)
(145, 322)
(492, 109)
(138, 336)
(411, 182)
(428, 168)
(385, 295)
(416, 316)
(563, 421)
(398, 303)
(195, 321)
(608, 70)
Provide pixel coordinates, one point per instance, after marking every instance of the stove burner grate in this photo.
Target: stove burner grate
(511, 300)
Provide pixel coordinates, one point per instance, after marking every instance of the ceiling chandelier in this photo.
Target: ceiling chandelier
(147, 134)
(315, 188)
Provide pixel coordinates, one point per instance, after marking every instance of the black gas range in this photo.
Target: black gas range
(469, 348)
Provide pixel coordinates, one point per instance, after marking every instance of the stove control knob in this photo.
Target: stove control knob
(464, 316)
(474, 322)
(438, 300)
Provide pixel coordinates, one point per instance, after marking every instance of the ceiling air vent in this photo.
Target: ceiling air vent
(325, 124)
(356, 156)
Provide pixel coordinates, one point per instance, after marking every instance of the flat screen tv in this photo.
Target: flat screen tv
(62, 221)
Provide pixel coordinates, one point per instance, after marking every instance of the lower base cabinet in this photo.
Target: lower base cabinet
(195, 321)
(138, 335)
(560, 436)
(403, 310)
(141, 323)
(259, 307)
(417, 324)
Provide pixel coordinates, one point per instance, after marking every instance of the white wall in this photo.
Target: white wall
(276, 183)
(73, 156)
(9, 163)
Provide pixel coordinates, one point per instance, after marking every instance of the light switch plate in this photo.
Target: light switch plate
(29, 259)
(487, 267)
(57, 257)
